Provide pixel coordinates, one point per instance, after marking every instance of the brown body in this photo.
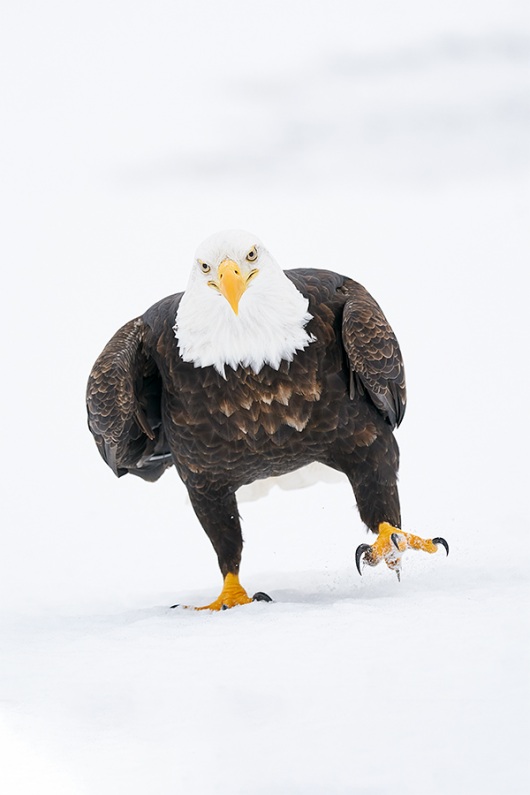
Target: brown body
(337, 403)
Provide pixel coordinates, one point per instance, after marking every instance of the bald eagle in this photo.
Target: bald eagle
(251, 372)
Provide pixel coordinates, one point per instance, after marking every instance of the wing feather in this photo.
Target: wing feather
(123, 404)
(376, 364)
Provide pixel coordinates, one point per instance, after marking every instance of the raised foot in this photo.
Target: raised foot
(232, 595)
(390, 545)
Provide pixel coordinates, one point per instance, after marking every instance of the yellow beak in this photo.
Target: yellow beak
(231, 282)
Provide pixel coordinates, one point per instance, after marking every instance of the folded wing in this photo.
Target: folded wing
(376, 364)
(123, 404)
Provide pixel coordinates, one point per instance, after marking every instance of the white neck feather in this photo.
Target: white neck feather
(269, 328)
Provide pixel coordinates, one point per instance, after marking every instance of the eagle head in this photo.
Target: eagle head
(239, 308)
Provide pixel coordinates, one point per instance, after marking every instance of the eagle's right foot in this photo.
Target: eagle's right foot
(233, 594)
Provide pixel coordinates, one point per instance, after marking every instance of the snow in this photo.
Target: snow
(387, 141)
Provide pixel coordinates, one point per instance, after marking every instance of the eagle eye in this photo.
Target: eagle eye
(252, 255)
(204, 267)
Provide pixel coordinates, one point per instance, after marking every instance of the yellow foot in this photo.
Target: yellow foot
(232, 594)
(389, 546)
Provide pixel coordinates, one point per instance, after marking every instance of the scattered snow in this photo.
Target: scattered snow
(389, 142)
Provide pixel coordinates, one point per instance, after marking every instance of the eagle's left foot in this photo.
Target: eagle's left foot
(389, 546)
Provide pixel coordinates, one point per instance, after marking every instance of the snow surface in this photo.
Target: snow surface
(389, 141)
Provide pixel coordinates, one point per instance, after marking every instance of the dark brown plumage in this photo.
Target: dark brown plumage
(337, 403)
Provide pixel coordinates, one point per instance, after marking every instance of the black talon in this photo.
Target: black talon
(359, 552)
(172, 606)
(261, 597)
(443, 542)
(395, 540)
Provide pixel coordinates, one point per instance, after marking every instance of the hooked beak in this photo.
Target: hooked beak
(232, 284)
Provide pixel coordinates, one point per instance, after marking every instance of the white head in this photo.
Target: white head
(239, 307)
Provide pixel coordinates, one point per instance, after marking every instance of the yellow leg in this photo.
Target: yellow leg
(390, 544)
(232, 594)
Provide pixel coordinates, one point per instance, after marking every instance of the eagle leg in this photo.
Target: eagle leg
(218, 514)
(390, 545)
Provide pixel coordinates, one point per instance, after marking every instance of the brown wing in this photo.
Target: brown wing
(123, 404)
(376, 364)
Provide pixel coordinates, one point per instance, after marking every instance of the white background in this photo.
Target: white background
(388, 141)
